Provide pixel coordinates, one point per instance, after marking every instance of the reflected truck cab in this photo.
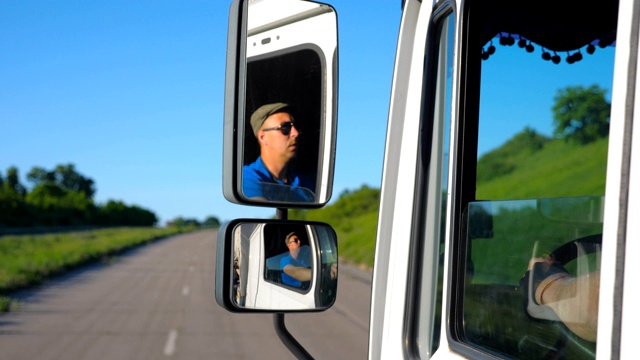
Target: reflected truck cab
(259, 253)
(281, 103)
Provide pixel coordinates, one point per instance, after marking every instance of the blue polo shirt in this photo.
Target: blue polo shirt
(257, 181)
(289, 260)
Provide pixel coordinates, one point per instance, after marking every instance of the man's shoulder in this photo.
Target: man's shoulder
(255, 171)
(255, 166)
(286, 260)
(302, 180)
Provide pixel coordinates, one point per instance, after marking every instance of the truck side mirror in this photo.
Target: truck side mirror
(276, 266)
(280, 103)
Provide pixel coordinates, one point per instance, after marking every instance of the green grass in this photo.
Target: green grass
(356, 236)
(559, 169)
(26, 260)
(5, 304)
(356, 244)
(354, 217)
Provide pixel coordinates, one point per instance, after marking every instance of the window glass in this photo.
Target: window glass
(277, 78)
(543, 127)
(532, 235)
(328, 265)
(286, 246)
(429, 309)
(502, 239)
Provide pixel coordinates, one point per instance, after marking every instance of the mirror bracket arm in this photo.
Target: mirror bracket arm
(282, 214)
(287, 339)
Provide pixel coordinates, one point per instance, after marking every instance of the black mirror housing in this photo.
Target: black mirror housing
(276, 266)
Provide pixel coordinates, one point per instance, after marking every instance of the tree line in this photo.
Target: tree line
(581, 115)
(210, 221)
(62, 197)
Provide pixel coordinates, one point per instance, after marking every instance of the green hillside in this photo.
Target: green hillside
(556, 169)
(548, 167)
(354, 217)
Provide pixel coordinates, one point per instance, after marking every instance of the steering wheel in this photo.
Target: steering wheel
(569, 251)
(328, 283)
(561, 256)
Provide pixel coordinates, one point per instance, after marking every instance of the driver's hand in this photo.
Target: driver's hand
(334, 271)
(546, 260)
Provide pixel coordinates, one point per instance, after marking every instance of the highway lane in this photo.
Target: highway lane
(157, 302)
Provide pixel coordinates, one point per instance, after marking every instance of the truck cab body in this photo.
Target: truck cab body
(482, 179)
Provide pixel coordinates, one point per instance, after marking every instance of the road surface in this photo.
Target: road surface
(158, 302)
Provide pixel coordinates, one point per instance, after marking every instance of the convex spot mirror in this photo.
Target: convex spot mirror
(276, 266)
(280, 103)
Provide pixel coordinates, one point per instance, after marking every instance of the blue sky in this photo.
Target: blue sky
(132, 92)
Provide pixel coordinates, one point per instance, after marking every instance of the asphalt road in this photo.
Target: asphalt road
(158, 302)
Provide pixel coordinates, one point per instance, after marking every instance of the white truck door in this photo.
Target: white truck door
(465, 225)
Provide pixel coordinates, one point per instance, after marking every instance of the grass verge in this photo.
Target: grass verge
(27, 260)
(5, 304)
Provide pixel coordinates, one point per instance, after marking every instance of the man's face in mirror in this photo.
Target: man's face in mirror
(294, 245)
(272, 176)
(278, 138)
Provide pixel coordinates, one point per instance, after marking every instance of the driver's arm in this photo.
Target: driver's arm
(298, 273)
(574, 300)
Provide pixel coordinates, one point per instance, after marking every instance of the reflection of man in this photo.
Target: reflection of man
(271, 177)
(574, 300)
(296, 267)
(236, 281)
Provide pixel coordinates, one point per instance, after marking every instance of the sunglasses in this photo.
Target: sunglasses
(294, 240)
(285, 128)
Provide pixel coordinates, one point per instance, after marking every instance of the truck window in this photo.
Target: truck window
(436, 117)
(530, 189)
(279, 253)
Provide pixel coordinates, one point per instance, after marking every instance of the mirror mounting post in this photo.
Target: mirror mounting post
(278, 319)
(282, 214)
(289, 341)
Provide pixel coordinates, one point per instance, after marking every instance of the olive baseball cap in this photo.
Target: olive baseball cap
(289, 236)
(259, 116)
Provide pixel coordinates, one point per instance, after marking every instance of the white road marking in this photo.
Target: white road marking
(170, 346)
(185, 291)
